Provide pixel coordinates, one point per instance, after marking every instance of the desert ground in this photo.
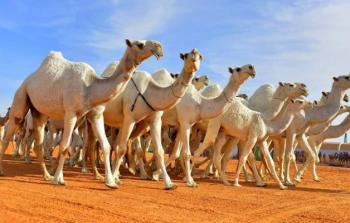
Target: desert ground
(26, 197)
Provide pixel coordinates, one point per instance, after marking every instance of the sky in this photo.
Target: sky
(291, 41)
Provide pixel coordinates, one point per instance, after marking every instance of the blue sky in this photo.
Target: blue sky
(305, 41)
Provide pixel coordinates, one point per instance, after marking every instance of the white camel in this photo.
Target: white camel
(65, 90)
(306, 119)
(143, 102)
(194, 107)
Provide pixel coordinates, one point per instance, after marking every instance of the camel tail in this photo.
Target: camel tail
(20, 105)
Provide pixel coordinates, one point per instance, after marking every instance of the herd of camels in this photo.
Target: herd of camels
(124, 112)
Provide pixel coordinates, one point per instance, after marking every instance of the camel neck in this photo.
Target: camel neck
(104, 89)
(210, 108)
(281, 122)
(162, 98)
(337, 130)
(326, 112)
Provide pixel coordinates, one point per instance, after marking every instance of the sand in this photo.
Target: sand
(26, 197)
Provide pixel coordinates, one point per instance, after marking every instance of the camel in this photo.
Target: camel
(317, 131)
(270, 101)
(3, 121)
(194, 107)
(306, 119)
(143, 102)
(251, 128)
(200, 82)
(278, 124)
(65, 90)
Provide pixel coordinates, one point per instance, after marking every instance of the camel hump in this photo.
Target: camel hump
(213, 90)
(110, 69)
(55, 54)
(162, 77)
(264, 92)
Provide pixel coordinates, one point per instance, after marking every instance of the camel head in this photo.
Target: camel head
(141, 50)
(244, 96)
(292, 91)
(241, 74)
(298, 104)
(343, 109)
(192, 60)
(324, 98)
(200, 82)
(342, 82)
(174, 76)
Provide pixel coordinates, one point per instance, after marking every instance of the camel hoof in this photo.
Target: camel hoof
(132, 170)
(237, 185)
(192, 184)
(297, 179)
(100, 177)
(155, 176)
(27, 161)
(172, 187)
(85, 170)
(282, 187)
(226, 183)
(317, 179)
(288, 183)
(58, 182)
(145, 177)
(261, 184)
(112, 185)
(48, 177)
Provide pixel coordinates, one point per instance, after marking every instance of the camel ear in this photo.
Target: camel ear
(280, 84)
(183, 56)
(176, 75)
(140, 45)
(324, 93)
(172, 75)
(230, 69)
(238, 69)
(128, 43)
(335, 79)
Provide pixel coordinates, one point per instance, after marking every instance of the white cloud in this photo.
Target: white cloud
(143, 19)
(306, 41)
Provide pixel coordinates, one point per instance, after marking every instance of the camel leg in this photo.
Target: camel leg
(121, 147)
(271, 165)
(39, 122)
(244, 152)
(175, 154)
(11, 129)
(97, 124)
(70, 120)
(28, 138)
(131, 159)
(209, 139)
(311, 159)
(287, 158)
(156, 126)
(219, 143)
(91, 148)
(259, 181)
(227, 149)
(139, 156)
(185, 131)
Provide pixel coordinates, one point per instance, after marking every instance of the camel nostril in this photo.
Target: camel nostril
(250, 67)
